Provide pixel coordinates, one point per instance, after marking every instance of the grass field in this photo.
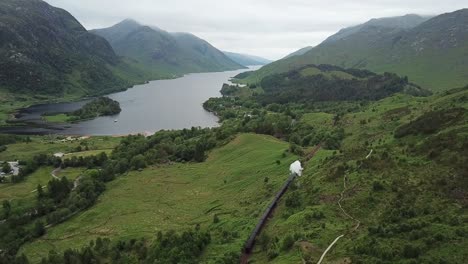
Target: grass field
(230, 184)
(50, 145)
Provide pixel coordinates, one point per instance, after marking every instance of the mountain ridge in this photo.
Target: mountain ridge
(165, 52)
(432, 53)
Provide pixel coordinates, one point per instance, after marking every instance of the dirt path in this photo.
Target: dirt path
(54, 172)
(358, 223)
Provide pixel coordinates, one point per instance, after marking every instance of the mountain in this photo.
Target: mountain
(299, 52)
(246, 60)
(433, 53)
(163, 52)
(45, 50)
(402, 22)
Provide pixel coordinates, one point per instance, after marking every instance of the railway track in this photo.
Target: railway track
(250, 243)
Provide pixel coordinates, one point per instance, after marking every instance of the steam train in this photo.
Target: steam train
(251, 241)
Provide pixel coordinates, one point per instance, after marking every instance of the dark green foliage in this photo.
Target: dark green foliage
(229, 90)
(39, 229)
(377, 186)
(215, 219)
(6, 167)
(102, 106)
(6, 206)
(138, 162)
(59, 189)
(293, 200)
(88, 161)
(164, 146)
(431, 122)
(294, 87)
(287, 242)
(168, 248)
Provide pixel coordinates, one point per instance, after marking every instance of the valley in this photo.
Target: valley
(350, 150)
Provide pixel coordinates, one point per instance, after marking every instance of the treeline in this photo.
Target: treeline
(169, 247)
(279, 120)
(11, 139)
(102, 106)
(229, 90)
(295, 87)
(54, 204)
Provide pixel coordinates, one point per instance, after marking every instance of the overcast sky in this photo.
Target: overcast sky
(268, 28)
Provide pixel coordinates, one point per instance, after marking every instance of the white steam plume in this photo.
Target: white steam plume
(296, 168)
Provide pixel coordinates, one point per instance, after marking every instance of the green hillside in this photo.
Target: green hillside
(397, 167)
(44, 50)
(408, 195)
(433, 54)
(229, 184)
(165, 53)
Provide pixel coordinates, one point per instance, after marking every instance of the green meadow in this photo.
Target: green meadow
(236, 183)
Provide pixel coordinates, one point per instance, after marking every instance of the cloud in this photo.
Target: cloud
(269, 28)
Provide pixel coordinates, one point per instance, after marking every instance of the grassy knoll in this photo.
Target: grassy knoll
(230, 184)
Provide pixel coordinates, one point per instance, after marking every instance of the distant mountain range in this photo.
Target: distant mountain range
(432, 52)
(163, 52)
(246, 60)
(45, 50)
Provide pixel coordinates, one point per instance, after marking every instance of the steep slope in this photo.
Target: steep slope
(402, 22)
(432, 54)
(299, 52)
(246, 60)
(163, 52)
(45, 50)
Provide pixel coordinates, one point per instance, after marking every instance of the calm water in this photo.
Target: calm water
(162, 104)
